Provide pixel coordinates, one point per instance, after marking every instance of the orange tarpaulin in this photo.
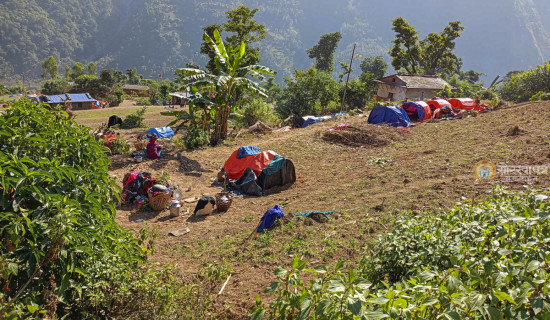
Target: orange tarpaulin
(465, 104)
(438, 103)
(236, 167)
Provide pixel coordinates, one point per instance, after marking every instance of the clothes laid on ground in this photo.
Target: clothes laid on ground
(307, 214)
(270, 217)
(246, 151)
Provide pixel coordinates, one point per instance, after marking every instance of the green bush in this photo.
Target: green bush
(540, 96)
(257, 110)
(135, 120)
(116, 98)
(521, 86)
(307, 92)
(196, 138)
(120, 146)
(57, 213)
(484, 261)
(141, 101)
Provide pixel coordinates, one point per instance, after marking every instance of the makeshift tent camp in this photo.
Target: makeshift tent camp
(392, 115)
(465, 104)
(438, 104)
(258, 172)
(163, 132)
(418, 110)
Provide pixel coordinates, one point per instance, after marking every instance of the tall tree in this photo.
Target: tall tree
(375, 66)
(405, 51)
(49, 68)
(78, 70)
(67, 74)
(92, 69)
(133, 76)
(245, 29)
(437, 50)
(432, 55)
(323, 51)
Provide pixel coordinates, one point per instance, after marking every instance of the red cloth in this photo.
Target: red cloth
(236, 167)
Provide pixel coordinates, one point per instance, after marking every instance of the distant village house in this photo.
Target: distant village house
(136, 90)
(413, 87)
(177, 98)
(78, 101)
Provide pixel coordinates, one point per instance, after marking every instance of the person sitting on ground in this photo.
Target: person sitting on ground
(477, 101)
(153, 149)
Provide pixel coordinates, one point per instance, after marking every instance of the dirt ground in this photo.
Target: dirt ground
(428, 169)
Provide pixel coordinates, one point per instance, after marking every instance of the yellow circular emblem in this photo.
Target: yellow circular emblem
(485, 170)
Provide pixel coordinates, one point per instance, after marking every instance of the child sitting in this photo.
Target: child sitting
(153, 149)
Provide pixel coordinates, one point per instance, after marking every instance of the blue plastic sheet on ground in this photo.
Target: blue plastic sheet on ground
(307, 214)
(269, 218)
(163, 132)
(339, 114)
(246, 151)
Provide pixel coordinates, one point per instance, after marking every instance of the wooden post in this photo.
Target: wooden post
(347, 80)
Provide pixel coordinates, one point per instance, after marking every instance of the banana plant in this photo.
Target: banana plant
(231, 78)
(198, 114)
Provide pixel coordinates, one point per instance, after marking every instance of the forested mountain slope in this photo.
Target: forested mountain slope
(159, 35)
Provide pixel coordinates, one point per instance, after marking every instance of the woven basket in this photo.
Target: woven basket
(160, 201)
(223, 204)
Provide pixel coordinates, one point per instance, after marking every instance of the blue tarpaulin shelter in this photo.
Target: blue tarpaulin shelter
(163, 132)
(392, 115)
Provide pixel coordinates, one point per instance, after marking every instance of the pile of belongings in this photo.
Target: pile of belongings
(251, 171)
(136, 185)
(309, 120)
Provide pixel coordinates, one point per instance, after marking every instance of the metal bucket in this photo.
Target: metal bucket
(175, 208)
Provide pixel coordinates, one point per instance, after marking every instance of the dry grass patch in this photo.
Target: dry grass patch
(364, 135)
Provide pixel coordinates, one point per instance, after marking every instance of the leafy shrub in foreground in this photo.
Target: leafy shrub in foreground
(56, 211)
(196, 138)
(257, 110)
(486, 261)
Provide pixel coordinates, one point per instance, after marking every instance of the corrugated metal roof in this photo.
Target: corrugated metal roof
(417, 82)
(184, 94)
(68, 97)
(134, 87)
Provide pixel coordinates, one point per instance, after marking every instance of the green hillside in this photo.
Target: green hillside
(158, 36)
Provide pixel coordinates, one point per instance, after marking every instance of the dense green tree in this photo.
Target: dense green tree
(77, 71)
(522, 86)
(323, 51)
(91, 84)
(67, 74)
(92, 68)
(375, 66)
(49, 68)
(273, 90)
(437, 50)
(245, 29)
(55, 86)
(432, 55)
(470, 76)
(308, 92)
(133, 76)
(405, 52)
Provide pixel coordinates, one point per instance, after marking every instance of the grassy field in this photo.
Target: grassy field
(420, 172)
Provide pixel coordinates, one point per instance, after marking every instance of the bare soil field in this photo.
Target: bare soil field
(422, 171)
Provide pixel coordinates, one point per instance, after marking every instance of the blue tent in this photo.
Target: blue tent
(414, 108)
(163, 132)
(392, 115)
